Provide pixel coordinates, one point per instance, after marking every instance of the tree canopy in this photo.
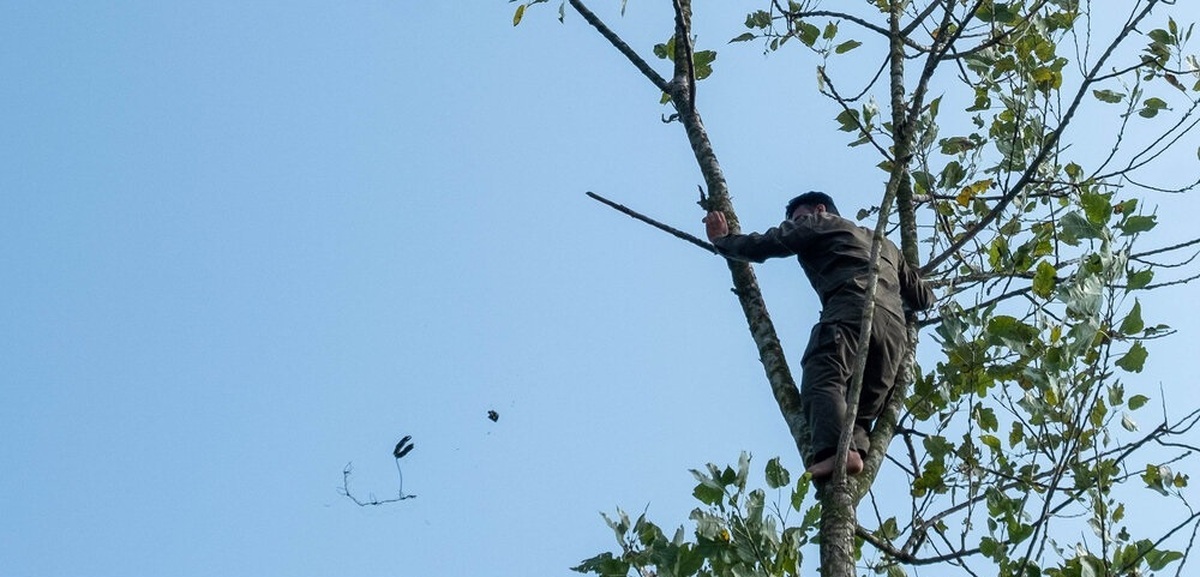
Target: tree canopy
(1021, 443)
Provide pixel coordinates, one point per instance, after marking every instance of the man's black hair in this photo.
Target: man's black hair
(811, 198)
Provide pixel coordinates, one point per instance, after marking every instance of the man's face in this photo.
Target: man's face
(806, 210)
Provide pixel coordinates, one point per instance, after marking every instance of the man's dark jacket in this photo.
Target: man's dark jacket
(836, 254)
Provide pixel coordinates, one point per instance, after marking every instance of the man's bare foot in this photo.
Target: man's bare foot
(823, 469)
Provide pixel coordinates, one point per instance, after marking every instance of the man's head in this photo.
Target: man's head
(810, 203)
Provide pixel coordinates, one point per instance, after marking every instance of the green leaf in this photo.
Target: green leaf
(1133, 321)
(519, 14)
(847, 46)
(744, 37)
(812, 516)
(956, 144)
(1047, 78)
(1151, 107)
(1108, 96)
(1160, 36)
(1099, 411)
(1153, 476)
(986, 417)
(1157, 560)
(1096, 207)
(997, 12)
(1075, 226)
(1116, 394)
(1011, 330)
(648, 533)
(1137, 401)
(937, 446)
(743, 471)
(1016, 435)
(889, 530)
(702, 63)
(604, 565)
(1134, 360)
(1138, 223)
(666, 50)
(808, 33)
(758, 19)
(777, 476)
(989, 547)
(991, 441)
(951, 175)
(707, 494)
(1139, 279)
(923, 180)
(831, 30)
(800, 492)
(1044, 279)
(848, 120)
(727, 477)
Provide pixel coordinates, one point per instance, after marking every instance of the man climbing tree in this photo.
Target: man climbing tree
(1018, 450)
(836, 256)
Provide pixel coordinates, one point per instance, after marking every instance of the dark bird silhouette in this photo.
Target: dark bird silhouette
(403, 447)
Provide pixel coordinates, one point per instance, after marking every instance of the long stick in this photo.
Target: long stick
(654, 223)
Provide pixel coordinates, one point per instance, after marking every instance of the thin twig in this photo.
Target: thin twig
(371, 500)
(1166, 249)
(650, 221)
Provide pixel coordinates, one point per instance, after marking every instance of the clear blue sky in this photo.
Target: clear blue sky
(244, 245)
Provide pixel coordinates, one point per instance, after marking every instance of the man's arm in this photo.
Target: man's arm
(752, 247)
(916, 294)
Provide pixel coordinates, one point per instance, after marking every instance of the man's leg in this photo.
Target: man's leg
(888, 339)
(827, 372)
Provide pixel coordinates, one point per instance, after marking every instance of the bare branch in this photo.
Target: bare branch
(650, 221)
(1178, 190)
(1170, 283)
(620, 45)
(1166, 249)
(371, 500)
(908, 558)
(849, 17)
(919, 18)
(982, 305)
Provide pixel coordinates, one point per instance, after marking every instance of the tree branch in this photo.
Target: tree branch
(908, 558)
(620, 45)
(656, 224)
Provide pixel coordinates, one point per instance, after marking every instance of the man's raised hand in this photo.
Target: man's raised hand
(715, 225)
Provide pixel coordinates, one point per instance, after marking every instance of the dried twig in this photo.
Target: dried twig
(650, 221)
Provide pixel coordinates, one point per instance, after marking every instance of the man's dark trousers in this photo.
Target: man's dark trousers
(828, 365)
